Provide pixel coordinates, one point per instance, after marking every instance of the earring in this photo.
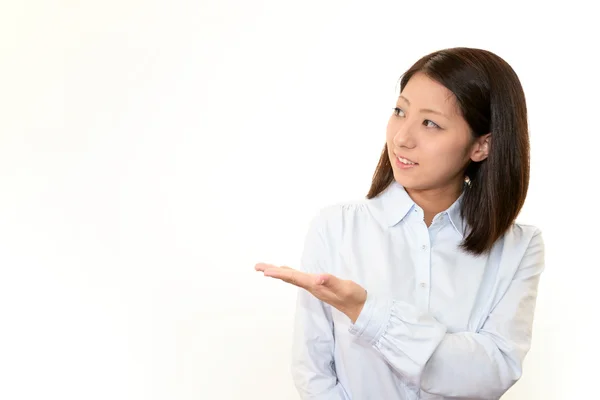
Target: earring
(467, 181)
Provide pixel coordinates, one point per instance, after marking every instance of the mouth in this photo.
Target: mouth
(405, 162)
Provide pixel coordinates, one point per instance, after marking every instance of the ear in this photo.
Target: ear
(481, 148)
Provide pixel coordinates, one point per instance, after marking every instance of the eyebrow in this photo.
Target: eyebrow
(429, 110)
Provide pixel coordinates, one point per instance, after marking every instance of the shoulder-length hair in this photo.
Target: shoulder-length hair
(491, 100)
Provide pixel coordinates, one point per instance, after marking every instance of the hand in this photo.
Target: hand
(345, 295)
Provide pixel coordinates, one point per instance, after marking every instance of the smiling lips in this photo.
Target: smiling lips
(405, 163)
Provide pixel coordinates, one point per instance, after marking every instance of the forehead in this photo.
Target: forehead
(424, 92)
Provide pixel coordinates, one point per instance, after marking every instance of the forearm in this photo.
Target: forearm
(471, 365)
(313, 369)
(416, 345)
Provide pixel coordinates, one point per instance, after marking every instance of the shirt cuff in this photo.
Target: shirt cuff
(372, 320)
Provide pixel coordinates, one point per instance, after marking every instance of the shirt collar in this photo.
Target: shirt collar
(395, 204)
(454, 214)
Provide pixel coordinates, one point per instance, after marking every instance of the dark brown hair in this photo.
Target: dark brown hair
(491, 100)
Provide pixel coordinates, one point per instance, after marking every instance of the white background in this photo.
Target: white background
(151, 152)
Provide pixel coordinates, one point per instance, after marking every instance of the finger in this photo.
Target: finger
(292, 276)
(263, 266)
(318, 280)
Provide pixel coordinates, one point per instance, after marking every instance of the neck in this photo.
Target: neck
(435, 201)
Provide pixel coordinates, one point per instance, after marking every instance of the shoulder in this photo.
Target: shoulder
(523, 234)
(335, 211)
(326, 231)
(334, 220)
(524, 243)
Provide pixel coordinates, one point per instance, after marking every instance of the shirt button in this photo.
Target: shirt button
(423, 247)
(423, 284)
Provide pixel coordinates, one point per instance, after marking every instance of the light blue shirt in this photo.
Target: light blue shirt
(437, 323)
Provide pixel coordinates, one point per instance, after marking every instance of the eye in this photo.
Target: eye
(430, 124)
(398, 112)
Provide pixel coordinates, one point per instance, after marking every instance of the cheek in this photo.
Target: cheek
(388, 133)
(447, 152)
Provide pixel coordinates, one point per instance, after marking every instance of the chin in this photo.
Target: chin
(409, 183)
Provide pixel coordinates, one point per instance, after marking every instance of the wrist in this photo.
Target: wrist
(354, 313)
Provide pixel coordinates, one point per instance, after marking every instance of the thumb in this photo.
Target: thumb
(329, 281)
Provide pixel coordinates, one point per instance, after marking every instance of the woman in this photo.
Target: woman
(427, 288)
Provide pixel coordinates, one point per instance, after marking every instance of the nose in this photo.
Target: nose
(403, 135)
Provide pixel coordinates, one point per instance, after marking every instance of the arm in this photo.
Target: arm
(313, 369)
(474, 365)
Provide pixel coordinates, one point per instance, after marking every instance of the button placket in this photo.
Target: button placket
(423, 267)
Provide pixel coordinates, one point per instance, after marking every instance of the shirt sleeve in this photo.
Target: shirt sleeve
(313, 367)
(474, 365)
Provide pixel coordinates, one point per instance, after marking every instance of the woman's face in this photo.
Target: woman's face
(429, 142)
